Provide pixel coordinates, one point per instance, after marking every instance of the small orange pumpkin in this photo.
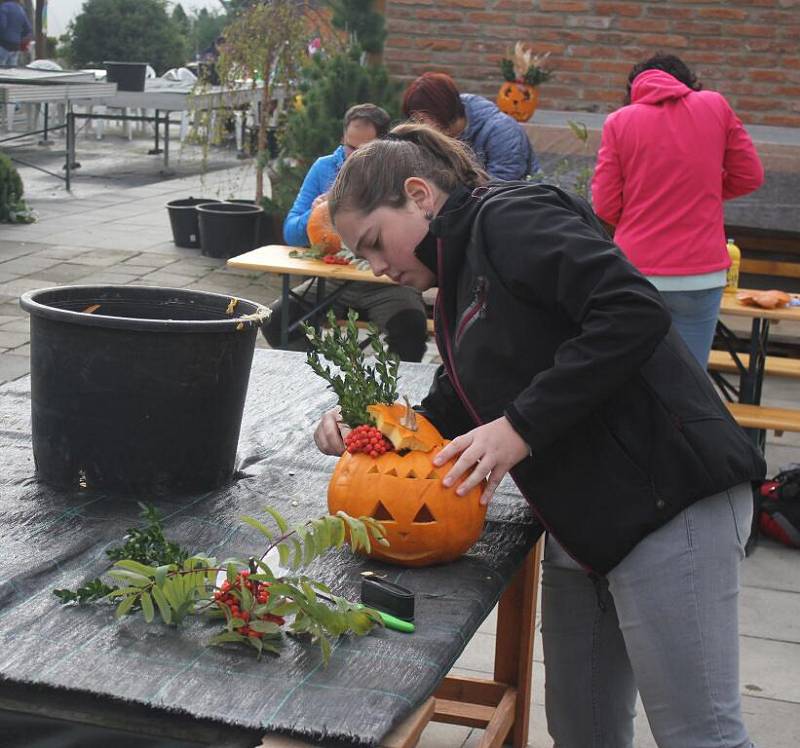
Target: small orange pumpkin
(518, 97)
(425, 522)
(518, 100)
(405, 428)
(321, 233)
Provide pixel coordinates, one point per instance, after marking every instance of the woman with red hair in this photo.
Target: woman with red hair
(499, 142)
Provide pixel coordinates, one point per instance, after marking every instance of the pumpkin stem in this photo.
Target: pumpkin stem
(409, 419)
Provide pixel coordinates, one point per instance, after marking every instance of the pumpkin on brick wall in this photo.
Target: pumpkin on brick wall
(519, 95)
(321, 233)
(387, 470)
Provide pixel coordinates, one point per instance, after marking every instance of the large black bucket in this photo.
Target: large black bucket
(138, 388)
(183, 219)
(129, 76)
(228, 229)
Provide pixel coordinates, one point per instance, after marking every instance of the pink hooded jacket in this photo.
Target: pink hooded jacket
(666, 163)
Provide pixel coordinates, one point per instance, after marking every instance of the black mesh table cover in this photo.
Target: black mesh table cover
(51, 538)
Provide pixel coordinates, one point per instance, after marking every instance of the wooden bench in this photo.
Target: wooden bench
(770, 267)
(765, 418)
(777, 366)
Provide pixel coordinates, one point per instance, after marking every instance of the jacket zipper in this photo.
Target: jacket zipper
(456, 382)
(476, 310)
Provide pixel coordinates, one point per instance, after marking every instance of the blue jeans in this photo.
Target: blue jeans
(664, 621)
(8, 59)
(694, 314)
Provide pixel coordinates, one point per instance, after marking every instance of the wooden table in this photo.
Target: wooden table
(275, 258)
(751, 375)
(84, 668)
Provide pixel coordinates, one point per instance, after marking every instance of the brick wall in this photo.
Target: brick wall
(749, 51)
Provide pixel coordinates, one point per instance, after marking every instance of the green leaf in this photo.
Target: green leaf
(126, 563)
(130, 576)
(161, 572)
(230, 571)
(125, 606)
(297, 561)
(163, 605)
(255, 642)
(123, 591)
(283, 555)
(309, 549)
(265, 627)
(260, 526)
(264, 566)
(147, 607)
(279, 520)
(325, 646)
(247, 598)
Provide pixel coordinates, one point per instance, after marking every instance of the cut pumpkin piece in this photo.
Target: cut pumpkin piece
(404, 427)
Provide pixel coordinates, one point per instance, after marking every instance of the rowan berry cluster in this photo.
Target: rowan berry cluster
(225, 597)
(335, 260)
(367, 439)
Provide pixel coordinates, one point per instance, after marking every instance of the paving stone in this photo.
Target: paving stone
(61, 252)
(22, 350)
(10, 339)
(100, 258)
(15, 324)
(27, 265)
(149, 259)
(16, 288)
(111, 278)
(163, 278)
(13, 367)
(65, 272)
(11, 249)
(5, 277)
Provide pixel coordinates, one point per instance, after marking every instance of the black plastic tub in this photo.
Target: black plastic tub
(138, 388)
(183, 219)
(129, 76)
(228, 229)
(270, 225)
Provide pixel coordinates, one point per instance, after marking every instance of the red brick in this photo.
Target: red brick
(491, 18)
(768, 75)
(750, 29)
(610, 66)
(436, 14)
(564, 6)
(755, 103)
(781, 120)
(618, 9)
(665, 41)
(730, 14)
(669, 12)
(642, 24)
(444, 45)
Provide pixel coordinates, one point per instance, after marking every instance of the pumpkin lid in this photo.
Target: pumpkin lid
(404, 427)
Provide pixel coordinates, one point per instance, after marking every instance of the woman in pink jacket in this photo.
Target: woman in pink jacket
(667, 160)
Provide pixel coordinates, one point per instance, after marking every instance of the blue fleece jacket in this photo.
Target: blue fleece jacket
(319, 180)
(499, 142)
(14, 25)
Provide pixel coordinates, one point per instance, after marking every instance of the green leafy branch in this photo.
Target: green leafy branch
(189, 586)
(357, 384)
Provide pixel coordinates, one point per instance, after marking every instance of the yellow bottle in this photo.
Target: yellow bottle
(732, 281)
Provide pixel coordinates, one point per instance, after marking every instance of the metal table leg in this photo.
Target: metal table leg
(285, 310)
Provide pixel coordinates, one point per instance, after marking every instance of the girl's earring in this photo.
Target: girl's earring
(428, 215)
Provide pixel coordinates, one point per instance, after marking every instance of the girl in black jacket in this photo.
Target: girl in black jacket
(561, 366)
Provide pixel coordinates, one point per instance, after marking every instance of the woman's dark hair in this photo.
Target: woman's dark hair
(375, 175)
(433, 95)
(371, 113)
(671, 64)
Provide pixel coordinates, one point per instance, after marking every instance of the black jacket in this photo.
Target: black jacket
(540, 317)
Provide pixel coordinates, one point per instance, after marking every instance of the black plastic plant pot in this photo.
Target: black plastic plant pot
(270, 227)
(228, 229)
(129, 76)
(183, 219)
(136, 388)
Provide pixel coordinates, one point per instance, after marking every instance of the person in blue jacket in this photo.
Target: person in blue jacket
(14, 29)
(499, 142)
(398, 311)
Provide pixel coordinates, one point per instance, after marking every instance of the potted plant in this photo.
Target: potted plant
(523, 72)
(263, 44)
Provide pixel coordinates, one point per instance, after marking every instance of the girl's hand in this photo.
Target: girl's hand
(490, 451)
(330, 431)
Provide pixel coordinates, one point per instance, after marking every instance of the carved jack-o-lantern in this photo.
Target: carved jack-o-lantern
(321, 233)
(523, 72)
(518, 100)
(425, 522)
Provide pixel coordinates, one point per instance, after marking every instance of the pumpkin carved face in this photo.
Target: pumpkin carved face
(425, 522)
(321, 233)
(518, 100)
